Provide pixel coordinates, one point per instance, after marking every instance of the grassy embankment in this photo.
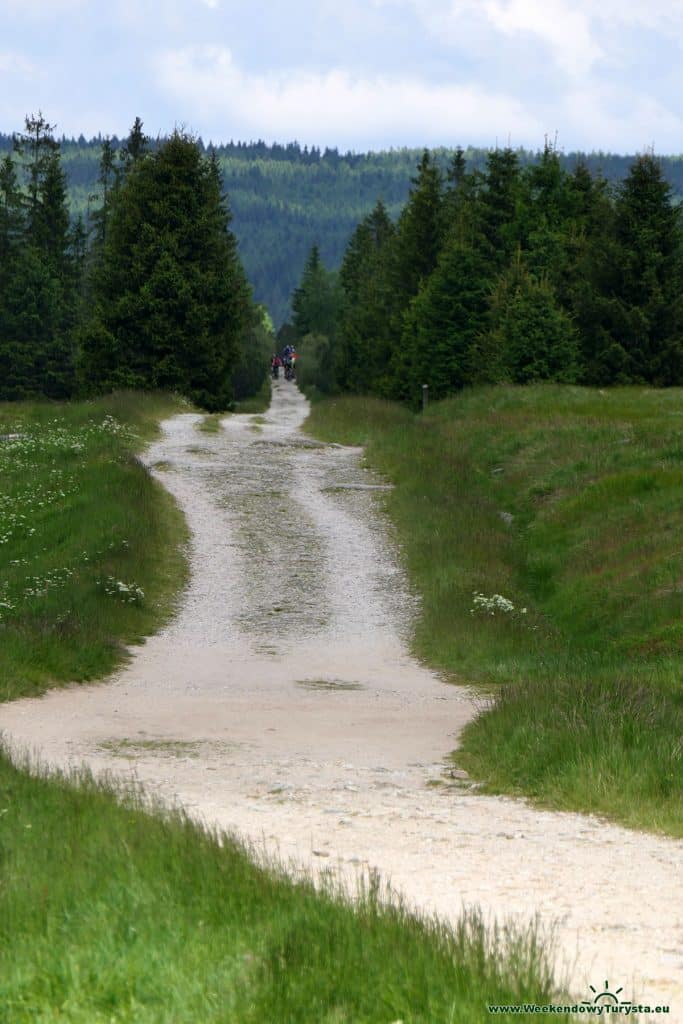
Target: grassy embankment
(89, 543)
(111, 914)
(568, 503)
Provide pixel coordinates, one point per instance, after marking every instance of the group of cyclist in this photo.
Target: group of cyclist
(287, 361)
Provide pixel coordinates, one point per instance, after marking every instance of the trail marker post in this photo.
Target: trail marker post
(425, 396)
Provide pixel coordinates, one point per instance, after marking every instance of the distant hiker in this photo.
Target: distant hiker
(275, 364)
(288, 357)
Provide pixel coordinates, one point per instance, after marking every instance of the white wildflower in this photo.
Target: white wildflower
(493, 604)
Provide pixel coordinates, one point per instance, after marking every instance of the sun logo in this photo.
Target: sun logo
(606, 997)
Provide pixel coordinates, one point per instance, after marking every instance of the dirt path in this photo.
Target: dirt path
(282, 703)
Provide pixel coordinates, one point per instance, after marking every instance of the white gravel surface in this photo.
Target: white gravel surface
(282, 703)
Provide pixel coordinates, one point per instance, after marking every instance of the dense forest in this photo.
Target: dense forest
(513, 273)
(146, 291)
(285, 198)
(123, 264)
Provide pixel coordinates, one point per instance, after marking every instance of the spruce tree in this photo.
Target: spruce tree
(307, 293)
(534, 337)
(589, 283)
(107, 180)
(42, 298)
(36, 148)
(364, 339)
(316, 302)
(50, 222)
(420, 232)
(16, 376)
(650, 312)
(11, 212)
(413, 257)
(445, 320)
(171, 294)
(497, 208)
(457, 169)
(134, 148)
(543, 217)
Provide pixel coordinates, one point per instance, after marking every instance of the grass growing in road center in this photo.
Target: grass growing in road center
(541, 527)
(91, 551)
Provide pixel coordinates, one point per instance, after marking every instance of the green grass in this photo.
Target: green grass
(111, 914)
(210, 424)
(91, 553)
(568, 502)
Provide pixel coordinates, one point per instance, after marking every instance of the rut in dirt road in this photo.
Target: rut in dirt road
(282, 702)
(293, 558)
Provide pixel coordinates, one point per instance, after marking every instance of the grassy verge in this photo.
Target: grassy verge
(541, 527)
(108, 913)
(91, 554)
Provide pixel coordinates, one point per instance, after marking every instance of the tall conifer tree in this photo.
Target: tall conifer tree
(445, 320)
(172, 296)
(42, 295)
(648, 234)
(413, 257)
(498, 207)
(364, 342)
(317, 300)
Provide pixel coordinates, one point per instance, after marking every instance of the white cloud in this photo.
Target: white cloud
(610, 119)
(566, 30)
(579, 33)
(359, 73)
(335, 107)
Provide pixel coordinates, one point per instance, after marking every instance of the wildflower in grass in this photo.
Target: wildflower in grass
(40, 585)
(129, 593)
(493, 604)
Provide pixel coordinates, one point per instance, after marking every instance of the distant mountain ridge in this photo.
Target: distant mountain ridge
(286, 198)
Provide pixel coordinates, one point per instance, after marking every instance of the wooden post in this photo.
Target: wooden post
(425, 396)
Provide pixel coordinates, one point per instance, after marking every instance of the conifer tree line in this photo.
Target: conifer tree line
(284, 197)
(148, 293)
(510, 274)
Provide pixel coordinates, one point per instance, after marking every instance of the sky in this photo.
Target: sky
(355, 74)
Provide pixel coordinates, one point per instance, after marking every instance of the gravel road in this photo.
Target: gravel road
(282, 703)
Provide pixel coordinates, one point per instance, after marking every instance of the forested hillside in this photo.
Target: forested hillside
(512, 274)
(284, 199)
